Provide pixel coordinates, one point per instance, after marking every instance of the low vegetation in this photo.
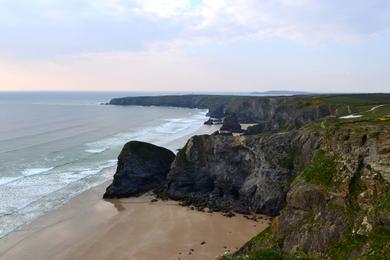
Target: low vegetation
(321, 170)
(265, 254)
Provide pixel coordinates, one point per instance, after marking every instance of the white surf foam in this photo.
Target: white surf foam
(35, 171)
(98, 150)
(41, 189)
(28, 197)
(166, 132)
(5, 180)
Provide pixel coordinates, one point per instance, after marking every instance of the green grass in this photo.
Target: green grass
(251, 244)
(379, 244)
(380, 114)
(357, 99)
(344, 247)
(321, 170)
(264, 254)
(147, 151)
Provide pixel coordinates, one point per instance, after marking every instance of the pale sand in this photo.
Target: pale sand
(245, 126)
(87, 227)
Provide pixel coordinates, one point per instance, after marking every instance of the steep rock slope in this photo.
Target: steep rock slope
(339, 205)
(239, 173)
(231, 124)
(272, 113)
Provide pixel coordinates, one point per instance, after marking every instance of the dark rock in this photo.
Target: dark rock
(213, 121)
(209, 122)
(256, 129)
(228, 214)
(203, 243)
(142, 167)
(277, 113)
(231, 124)
(225, 133)
(324, 219)
(242, 174)
(154, 200)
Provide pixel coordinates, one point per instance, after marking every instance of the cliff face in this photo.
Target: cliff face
(240, 173)
(339, 205)
(231, 124)
(328, 181)
(248, 109)
(272, 113)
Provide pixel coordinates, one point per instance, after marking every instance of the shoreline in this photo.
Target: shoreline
(106, 174)
(88, 227)
(86, 221)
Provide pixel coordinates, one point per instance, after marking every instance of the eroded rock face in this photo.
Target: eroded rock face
(243, 174)
(271, 113)
(338, 207)
(142, 167)
(231, 124)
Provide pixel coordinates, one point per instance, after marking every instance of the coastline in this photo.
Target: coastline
(88, 227)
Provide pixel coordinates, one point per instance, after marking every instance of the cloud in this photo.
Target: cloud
(42, 27)
(304, 21)
(195, 44)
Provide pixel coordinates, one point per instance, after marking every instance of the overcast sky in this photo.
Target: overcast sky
(195, 45)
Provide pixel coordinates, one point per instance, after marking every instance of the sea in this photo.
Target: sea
(55, 145)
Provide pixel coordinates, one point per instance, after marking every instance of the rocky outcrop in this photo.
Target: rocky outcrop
(235, 173)
(289, 116)
(213, 121)
(327, 182)
(231, 124)
(339, 205)
(274, 113)
(142, 167)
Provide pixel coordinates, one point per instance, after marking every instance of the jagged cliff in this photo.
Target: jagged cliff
(269, 113)
(327, 179)
(239, 173)
(338, 207)
(272, 113)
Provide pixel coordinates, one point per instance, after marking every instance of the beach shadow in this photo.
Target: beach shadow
(117, 204)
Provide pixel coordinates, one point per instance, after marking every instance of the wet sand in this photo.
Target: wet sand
(88, 227)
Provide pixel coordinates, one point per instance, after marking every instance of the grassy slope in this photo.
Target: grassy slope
(379, 238)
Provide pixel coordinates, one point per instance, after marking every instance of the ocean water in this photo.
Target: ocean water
(54, 146)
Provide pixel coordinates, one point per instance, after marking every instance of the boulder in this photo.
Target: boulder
(142, 167)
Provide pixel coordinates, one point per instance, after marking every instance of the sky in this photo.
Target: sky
(195, 45)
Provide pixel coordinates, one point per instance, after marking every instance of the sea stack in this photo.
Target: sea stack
(231, 124)
(142, 167)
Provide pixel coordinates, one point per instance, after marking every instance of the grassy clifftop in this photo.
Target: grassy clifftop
(338, 207)
(338, 204)
(273, 113)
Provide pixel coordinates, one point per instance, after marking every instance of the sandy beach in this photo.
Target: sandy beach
(88, 227)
